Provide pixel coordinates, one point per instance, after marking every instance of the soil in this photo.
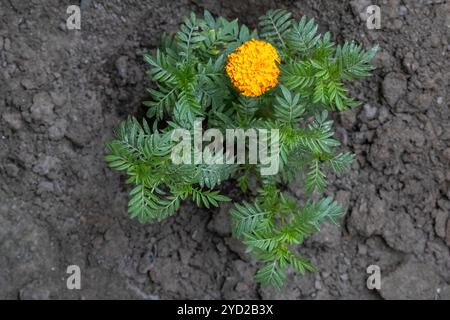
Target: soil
(63, 91)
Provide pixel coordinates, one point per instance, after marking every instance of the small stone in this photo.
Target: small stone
(28, 84)
(46, 164)
(45, 186)
(7, 44)
(58, 98)
(57, 130)
(393, 87)
(221, 247)
(444, 293)
(447, 154)
(440, 224)
(435, 40)
(402, 11)
(79, 138)
(410, 63)
(344, 277)
(317, 284)
(383, 59)
(362, 249)
(14, 120)
(122, 66)
(42, 108)
(11, 170)
(369, 111)
(383, 115)
(447, 237)
(197, 236)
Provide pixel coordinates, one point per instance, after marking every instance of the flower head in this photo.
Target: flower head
(253, 67)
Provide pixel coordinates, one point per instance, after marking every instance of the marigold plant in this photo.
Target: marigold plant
(285, 76)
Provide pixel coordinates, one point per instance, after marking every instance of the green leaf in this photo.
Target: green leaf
(288, 107)
(272, 274)
(211, 175)
(146, 206)
(162, 101)
(302, 37)
(209, 19)
(341, 162)
(117, 162)
(208, 198)
(316, 140)
(245, 217)
(298, 75)
(301, 264)
(315, 179)
(274, 25)
(140, 205)
(162, 68)
(353, 61)
(311, 215)
(189, 36)
(261, 240)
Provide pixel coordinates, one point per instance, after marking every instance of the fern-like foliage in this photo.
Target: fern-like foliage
(275, 25)
(317, 67)
(273, 224)
(288, 107)
(303, 36)
(189, 36)
(353, 61)
(189, 84)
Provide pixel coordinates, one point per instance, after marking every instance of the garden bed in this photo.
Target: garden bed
(65, 90)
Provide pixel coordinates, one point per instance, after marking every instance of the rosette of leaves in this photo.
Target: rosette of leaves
(190, 84)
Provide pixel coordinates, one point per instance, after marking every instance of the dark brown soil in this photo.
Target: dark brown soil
(63, 91)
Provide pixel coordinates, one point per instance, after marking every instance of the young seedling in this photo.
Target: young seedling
(283, 79)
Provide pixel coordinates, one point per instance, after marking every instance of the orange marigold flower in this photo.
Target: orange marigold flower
(253, 67)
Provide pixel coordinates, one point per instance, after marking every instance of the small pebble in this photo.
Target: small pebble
(369, 111)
